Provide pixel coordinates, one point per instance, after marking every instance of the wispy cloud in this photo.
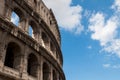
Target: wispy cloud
(106, 65)
(106, 31)
(68, 17)
(117, 66)
(87, 13)
(89, 47)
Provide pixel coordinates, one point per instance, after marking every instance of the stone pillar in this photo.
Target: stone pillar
(2, 7)
(39, 68)
(2, 48)
(18, 63)
(26, 26)
(22, 22)
(2, 55)
(38, 7)
(51, 73)
(35, 35)
(24, 64)
(48, 47)
(57, 76)
(8, 12)
(39, 73)
(40, 37)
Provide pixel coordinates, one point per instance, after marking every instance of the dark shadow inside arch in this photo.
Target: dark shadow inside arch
(52, 48)
(54, 75)
(46, 71)
(32, 67)
(33, 29)
(45, 39)
(11, 59)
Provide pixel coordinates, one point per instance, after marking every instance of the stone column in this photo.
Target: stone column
(2, 7)
(24, 64)
(40, 68)
(18, 61)
(35, 35)
(22, 22)
(3, 48)
(51, 73)
(7, 13)
(57, 76)
(26, 26)
(40, 37)
(2, 55)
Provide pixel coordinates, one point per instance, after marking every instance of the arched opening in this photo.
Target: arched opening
(52, 48)
(46, 71)
(45, 39)
(32, 67)
(12, 58)
(54, 75)
(59, 77)
(15, 19)
(57, 56)
(33, 29)
(30, 32)
(35, 4)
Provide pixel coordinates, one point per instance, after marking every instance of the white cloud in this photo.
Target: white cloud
(104, 31)
(106, 65)
(116, 5)
(117, 66)
(107, 31)
(87, 13)
(68, 17)
(89, 47)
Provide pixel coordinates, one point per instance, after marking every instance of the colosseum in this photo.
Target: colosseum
(30, 42)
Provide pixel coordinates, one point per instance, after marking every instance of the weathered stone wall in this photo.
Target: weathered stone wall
(36, 57)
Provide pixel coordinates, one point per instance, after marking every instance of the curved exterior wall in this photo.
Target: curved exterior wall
(25, 57)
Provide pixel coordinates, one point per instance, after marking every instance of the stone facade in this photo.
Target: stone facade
(24, 56)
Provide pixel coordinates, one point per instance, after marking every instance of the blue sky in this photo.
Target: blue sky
(90, 34)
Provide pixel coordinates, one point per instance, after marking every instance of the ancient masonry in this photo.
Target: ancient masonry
(30, 49)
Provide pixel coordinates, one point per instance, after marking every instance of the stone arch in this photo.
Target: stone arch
(54, 75)
(30, 31)
(46, 71)
(35, 3)
(45, 39)
(32, 67)
(17, 12)
(52, 48)
(12, 58)
(34, 27)
(57, 56)
(15, 19)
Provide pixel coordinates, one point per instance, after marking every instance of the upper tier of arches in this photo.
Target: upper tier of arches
(34, 26)
(47, 15)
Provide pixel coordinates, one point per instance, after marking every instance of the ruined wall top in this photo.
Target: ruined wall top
(47, 15)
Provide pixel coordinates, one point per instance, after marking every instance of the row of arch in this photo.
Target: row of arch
(13, 60)
(16, 19)
(40, 9)
(33, 30)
